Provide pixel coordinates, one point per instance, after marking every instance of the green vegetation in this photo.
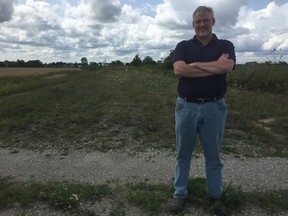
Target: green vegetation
(151, 198)
(261, 78)
(257, 101)
(79, 110)
(58, 195)
(78, 199)
(133, 108)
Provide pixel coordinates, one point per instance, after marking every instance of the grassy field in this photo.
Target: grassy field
(133, 108)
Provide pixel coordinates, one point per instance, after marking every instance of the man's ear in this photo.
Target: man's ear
(213, 21)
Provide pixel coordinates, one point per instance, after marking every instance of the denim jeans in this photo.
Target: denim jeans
(208, 121)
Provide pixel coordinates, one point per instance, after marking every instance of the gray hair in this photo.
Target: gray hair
(203, 9)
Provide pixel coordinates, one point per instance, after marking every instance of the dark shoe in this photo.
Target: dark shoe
(176, 205)
(218, 207)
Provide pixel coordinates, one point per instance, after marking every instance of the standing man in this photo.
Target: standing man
(201, 65)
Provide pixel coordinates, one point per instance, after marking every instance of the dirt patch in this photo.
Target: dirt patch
(267, 121)
(54, 76)
(8, 72)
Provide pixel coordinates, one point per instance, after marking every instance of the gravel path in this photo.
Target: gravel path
(249, 173)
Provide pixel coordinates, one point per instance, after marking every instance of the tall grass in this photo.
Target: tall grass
(261, 78)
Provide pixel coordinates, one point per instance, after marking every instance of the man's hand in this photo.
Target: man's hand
(223, 57)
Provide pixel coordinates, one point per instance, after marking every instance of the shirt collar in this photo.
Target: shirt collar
(214, 38)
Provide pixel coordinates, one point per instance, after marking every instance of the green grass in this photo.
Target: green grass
(248, 111)
(80, 109)
(133, 108)
(256, 94)
(62, 196)
(153, 198)
(261, 78)
(150, 198)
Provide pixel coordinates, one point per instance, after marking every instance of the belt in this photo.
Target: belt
(202, 100)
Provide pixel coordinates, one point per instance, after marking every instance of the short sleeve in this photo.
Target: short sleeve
(180, 52)
(230, 50)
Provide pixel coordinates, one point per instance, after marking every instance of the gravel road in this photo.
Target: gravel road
(153, 166)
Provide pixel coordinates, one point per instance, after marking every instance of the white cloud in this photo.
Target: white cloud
(108, 30)
(130, 15)
(168, 17)
(266, 30)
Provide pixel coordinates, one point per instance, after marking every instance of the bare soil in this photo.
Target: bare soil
(11, 71)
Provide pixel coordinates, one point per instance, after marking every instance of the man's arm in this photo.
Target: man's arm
(221, 66)
(181, 69)
(203, 69)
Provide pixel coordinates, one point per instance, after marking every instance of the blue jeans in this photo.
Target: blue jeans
(208, 121)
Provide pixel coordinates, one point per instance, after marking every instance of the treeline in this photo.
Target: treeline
(136, 61)
(36, 63)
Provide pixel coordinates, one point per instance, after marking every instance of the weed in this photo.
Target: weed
(119, 210)
(149, 197)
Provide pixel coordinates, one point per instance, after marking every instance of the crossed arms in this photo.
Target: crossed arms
(201, 69)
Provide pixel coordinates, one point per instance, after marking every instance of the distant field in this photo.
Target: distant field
(5, 72)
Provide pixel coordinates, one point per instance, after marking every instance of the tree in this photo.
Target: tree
(136, 61)
(34, 63)
(117, 63)
(167, 62)
(84, 61)
(148, 61)
(21, 63)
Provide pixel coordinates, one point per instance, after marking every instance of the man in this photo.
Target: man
(201, 65)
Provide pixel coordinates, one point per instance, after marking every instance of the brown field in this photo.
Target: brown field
(6, 72)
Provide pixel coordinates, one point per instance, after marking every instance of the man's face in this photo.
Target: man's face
(203, 23)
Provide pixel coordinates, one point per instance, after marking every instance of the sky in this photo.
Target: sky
(110, 30)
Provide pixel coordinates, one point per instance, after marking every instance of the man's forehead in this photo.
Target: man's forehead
(202, 15)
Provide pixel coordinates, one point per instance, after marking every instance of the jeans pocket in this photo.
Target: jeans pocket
(179, 104)
(221, 105)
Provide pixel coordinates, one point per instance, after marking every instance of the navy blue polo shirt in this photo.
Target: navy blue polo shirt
(191, 51)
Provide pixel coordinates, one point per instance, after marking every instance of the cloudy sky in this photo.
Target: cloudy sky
(62, 30)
